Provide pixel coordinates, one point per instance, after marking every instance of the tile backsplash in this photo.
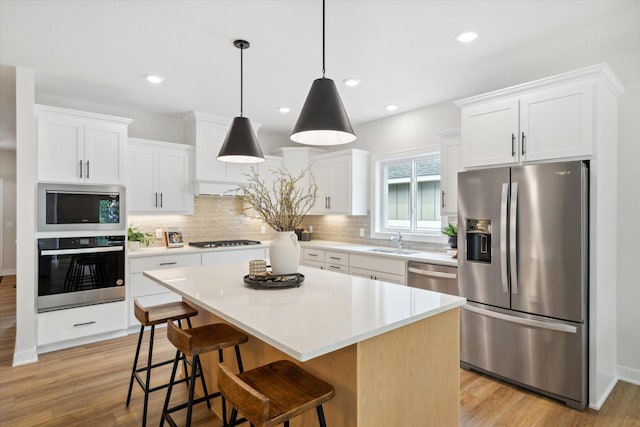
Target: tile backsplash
(223, 218)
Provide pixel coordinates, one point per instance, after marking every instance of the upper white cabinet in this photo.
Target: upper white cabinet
(79, 147)
(341, 177)
(158, 177)
(547, 119)
(449, 168)
(207, 133)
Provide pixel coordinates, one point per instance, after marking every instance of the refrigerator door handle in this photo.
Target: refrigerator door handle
(513, 237)
(503, 237)
(554, 326)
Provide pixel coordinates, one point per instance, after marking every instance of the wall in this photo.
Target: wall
(628, 237)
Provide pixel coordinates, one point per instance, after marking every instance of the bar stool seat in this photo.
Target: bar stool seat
(273, 394)
(152, 316)
(193, 342)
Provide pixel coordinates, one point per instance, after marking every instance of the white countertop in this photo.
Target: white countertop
(327, 312)
(186, 249)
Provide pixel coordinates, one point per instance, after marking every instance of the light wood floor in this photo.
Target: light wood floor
(87, 386)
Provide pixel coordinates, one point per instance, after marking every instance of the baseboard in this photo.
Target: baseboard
(8, 272)
(603, 398)
(25, 357)
(629, 375)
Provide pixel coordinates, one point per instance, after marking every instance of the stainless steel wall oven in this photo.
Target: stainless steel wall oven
(76, 271)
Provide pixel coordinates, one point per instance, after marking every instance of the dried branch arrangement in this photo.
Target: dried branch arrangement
(282, 205)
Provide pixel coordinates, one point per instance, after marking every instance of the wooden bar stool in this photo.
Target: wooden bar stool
(152, 316)
(273, 394)
(192, 343)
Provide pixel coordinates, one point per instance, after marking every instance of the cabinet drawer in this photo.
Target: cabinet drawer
(138, 265)
(378, 263)
(141, 286)
(314, 254)
(314, 264)
(222, 257)
(336, 267)
(151, 300)
(336, 258)
(62, 325)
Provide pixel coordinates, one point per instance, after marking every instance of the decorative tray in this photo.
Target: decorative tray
(270, 281)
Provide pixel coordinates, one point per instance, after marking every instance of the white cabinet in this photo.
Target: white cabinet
(342, 178)
(378, 268)
(543, 120)
(79, 147)
(326, 260)
(449, 168)
(158, 177)
(240, 255)
(146, 290)
(79, 323)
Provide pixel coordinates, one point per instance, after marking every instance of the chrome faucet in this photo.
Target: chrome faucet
(398, 238)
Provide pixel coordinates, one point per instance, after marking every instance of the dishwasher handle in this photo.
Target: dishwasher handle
(438, 274)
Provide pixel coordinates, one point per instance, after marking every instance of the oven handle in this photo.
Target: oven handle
(82, 250)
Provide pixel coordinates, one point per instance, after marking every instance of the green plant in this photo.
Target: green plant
(282, 205)
(135, 235)
(450, 230)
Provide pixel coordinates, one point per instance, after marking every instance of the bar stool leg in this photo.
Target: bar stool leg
(194, 369)
(321, 419)
(147, 382)
(135, 364)
(176, 362)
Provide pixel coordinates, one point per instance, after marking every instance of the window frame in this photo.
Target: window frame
(379, 197)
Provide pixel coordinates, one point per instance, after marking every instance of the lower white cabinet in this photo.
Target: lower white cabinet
(378, 268)
(75, 323)
(210, 258)
(326, 260)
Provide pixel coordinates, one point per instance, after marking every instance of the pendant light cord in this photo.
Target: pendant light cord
(241, 86)
(323, 68)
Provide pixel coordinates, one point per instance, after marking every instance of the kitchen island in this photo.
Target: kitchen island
(391, 352)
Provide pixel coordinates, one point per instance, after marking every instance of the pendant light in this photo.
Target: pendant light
(241, 144)
(323, 119)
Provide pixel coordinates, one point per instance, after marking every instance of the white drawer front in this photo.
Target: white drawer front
(314, 264)
(138, 265)
(62, 325)
(141, 286)
(336, 267)
(336, 258)
(222, 257)
(313, 254)
(150, 301)
(379, 263)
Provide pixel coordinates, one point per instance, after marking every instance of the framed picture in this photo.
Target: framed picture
(173, 238)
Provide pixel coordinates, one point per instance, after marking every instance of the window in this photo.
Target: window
(408, 195)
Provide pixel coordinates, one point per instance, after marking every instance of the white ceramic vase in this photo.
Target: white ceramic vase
(134, 245)
(284, 253)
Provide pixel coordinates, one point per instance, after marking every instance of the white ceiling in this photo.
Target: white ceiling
(404, 51)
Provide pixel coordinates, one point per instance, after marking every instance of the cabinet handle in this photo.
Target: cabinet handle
(84, 324)
(523, 144)
(442, 199)
(312, 254)
(169, 263)
(80, 168)
(513, 145)
(87, 169)
(329, 202)
(156, 199)
(334, 267)
(161, 200)
(335, 257)
(326, 203)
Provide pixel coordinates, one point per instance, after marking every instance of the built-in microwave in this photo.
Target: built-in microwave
(67, 207)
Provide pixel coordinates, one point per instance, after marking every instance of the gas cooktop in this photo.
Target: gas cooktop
(224, 243)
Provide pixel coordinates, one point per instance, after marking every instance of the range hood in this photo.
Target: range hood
(206, 132)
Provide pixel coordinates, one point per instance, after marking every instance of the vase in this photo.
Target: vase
(134, 245)
(284, 253)
(453, 242)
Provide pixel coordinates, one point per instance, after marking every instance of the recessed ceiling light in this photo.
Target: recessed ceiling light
(154, 79)
(391, 107)
(466, 36)
(351, 81)
(284, 110)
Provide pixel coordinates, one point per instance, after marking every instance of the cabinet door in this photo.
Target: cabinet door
(173, 181)
(104, 153)
(320, 172)
(557, 123)
(208, 168)
(142, 176)
(339, 185)
(490, 133)
(450, 166)
(60, 149)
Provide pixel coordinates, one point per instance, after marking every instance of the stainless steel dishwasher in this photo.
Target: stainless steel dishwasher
(433, 277)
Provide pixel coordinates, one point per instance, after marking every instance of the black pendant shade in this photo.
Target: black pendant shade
(323, 119)
(241, 144)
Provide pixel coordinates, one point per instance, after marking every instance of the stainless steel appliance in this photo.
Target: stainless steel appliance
(432, 277)
(224, 243)
(76, 271)
(67, 207)
(523, 267)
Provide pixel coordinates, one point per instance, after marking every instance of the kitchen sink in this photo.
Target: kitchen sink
(393, 251)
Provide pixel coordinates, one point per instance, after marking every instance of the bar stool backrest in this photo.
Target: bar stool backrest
(180, 339)
(255, 405)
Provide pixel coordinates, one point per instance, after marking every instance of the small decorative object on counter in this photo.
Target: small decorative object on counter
(137, 238)
(173, 238)
(451, 230)
(280, 281)
(306, 236)
(257, 267)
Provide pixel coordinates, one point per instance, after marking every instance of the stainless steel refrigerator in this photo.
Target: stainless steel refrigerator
(523, 267)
